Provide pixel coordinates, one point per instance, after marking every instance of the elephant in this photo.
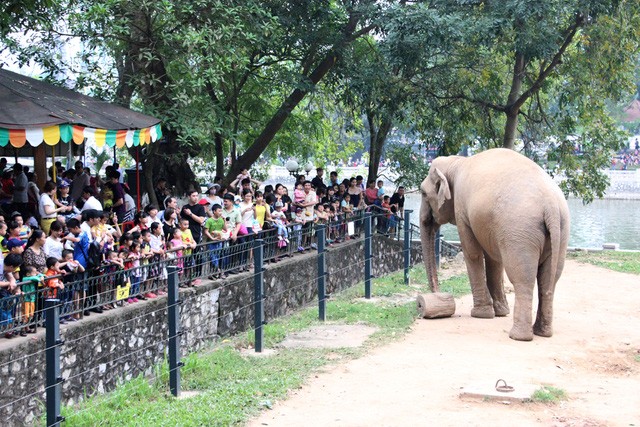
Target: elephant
(511, 216)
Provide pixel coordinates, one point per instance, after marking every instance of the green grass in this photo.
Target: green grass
(233, 387)
(548, 394)
(624, 262)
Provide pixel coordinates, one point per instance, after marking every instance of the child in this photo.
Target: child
(30, 284)
(280, 221)
(135, 272)
(215, 228)
(175, 250)
(148, 276)
(9, 291)
(72, 271)
(3, 238)
(392, 221)
(189, 244)
(112, 270)
(299, 194)
(298, 222)
(54, 283)
(24, 231)
(156, 242)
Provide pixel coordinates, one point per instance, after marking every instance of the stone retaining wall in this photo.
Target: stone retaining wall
(121, 344)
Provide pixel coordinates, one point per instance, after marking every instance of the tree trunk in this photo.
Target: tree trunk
(219, 147)
(513, 105)
(263, 140)
(377, 139)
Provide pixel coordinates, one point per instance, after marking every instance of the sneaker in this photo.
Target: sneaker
(196, 282)
(300, 249)
(150, 295)
(141, 297)
(279, 237)
(23, 333)
(162, 293)
(130, 301)
(135, 299)
(314, 246)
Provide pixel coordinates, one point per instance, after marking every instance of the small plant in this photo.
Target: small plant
(548, 394)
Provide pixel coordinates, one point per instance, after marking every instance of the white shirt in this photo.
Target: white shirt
(91, 203)
(53, 247)
(87, 229)
(45, 200)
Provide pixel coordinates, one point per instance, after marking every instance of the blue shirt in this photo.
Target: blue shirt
(81, 249)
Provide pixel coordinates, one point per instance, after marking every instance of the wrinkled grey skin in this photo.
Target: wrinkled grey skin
(511, 217)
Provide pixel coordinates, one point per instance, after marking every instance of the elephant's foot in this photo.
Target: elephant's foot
(521, 334)
(483, 312)
(501, 308)
(542, 329)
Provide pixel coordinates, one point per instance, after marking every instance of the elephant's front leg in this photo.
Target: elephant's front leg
(495, 283)
(474, 259)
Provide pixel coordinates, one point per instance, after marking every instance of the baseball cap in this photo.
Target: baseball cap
(237, 199)
(204, 202)
(279, 204)
(298, 209)
(63, 183)
(14, 243)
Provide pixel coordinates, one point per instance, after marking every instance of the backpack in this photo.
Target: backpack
(94, 255)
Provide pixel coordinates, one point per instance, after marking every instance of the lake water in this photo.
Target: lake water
(603, 221)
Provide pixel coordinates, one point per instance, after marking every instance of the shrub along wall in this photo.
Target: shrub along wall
(123, 343)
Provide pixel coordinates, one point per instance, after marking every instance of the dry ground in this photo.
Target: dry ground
(594, 356)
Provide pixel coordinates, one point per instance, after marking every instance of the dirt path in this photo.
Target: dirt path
(417, 380)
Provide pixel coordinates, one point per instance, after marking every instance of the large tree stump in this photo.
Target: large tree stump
(436, 305)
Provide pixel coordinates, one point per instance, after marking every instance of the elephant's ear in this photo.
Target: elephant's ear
(442, 187)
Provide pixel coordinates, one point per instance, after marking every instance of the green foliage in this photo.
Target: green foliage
(625, 262)
(410, 167)
(548, 394)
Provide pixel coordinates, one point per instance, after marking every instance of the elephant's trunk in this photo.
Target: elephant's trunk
(428, 230)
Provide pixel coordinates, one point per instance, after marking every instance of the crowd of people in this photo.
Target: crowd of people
(82, 240)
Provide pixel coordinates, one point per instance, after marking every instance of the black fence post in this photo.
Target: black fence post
(52, 355)
(322, 294)
(367, 255)
(258, 292)
(407, 243)
(173, 315)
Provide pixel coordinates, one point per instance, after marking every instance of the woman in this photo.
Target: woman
(355, 192)
(248, 215)
(34, 254)
(282, 197)
(53, 245)
(47, 207)
(262, 210)
(169, 222)
(33, 193)
(212, 195)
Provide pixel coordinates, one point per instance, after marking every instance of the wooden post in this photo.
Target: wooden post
(436, 305)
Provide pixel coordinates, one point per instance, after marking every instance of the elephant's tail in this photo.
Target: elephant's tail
(552, 220)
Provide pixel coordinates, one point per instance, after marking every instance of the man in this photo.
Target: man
(161, 192)
(317, 181)
(20, 196)
(195, 214)
(169, 202)
(397, 200)
(333, 179)
(90, 202)
(80, 181)
(118, 207)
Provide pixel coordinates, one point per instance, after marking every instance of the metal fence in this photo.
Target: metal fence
(109, 287)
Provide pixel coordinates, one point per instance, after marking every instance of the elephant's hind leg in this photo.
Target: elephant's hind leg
(523, 277)
(546, 287)
(495, 283)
